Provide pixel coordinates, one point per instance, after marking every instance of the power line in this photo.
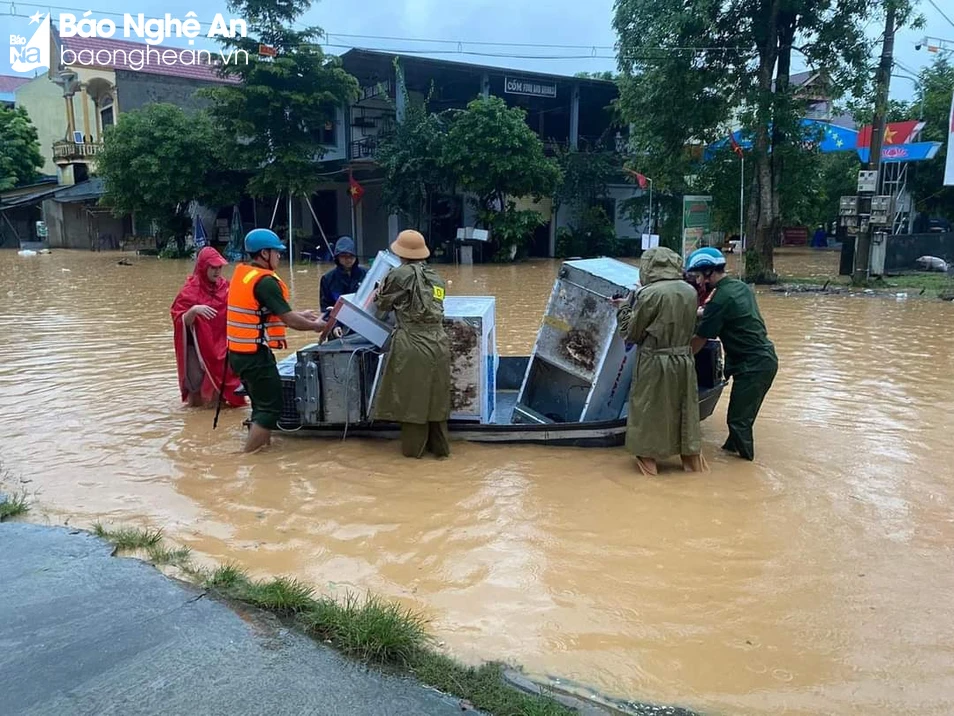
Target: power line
(473, 53)
(479, 43)
(459, 44)
(941, 13)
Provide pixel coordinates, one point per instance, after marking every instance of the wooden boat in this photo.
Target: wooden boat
(510, 374)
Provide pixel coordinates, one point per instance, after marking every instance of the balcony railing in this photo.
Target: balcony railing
(65, 151)
(365, 148)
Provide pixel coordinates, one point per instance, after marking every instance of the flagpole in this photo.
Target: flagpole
(650, 206)
(354, 234)
(291, 248)
(742, 214)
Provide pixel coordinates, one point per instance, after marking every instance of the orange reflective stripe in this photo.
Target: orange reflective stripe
(249, 324)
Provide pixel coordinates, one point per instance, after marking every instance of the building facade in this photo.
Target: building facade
(72, 105)
(566, 112)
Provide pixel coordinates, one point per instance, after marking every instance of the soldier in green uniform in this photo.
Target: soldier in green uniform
(416, 387)
(664, 399)
(732, 315)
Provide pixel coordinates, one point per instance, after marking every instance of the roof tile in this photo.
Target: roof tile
(8, 83)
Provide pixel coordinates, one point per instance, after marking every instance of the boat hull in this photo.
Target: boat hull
(609, 433)
(584, 435)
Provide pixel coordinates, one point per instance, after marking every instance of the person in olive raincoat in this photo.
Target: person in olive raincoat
(664, 400)
(416, 387)
(732, 315)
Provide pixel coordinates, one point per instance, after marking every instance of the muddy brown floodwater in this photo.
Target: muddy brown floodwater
(816, 580)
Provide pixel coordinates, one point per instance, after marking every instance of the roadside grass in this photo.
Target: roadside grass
(161, 555)
(381, 633)
(483, 686)
(16, 504)
(16, 500)
(129, 538)
(371, 630)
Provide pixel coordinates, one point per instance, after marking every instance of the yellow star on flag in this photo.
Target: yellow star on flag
(888, 135)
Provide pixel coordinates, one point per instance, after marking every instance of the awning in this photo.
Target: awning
(26, 199)
(84, 191)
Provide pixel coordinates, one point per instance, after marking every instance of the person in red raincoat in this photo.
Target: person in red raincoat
(198, 317)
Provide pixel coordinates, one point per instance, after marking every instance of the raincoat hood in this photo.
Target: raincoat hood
(208, 335)
(345, 245)
(659, 264)
(206, 259)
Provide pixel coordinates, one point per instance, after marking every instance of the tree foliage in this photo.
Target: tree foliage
(590, 231)
(934, 91)
(412, 158)
(585, 176)
(494, 154)
(279, 110)
(20, 156)
(159, 159)
(691, 69)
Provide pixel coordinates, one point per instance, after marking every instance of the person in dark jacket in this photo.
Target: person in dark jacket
(344, 278)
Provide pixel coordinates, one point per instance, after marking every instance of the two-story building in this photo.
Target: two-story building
(564, 111)
(73, 104)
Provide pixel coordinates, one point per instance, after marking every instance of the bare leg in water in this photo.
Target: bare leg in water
(694, 463)
(647, 465)
(258, 437)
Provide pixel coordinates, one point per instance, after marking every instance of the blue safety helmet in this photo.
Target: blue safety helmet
(704, 259)
(260, 239)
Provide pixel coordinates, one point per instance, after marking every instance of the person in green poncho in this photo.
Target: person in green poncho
(664, 399)
(416, 388)
(732, 315)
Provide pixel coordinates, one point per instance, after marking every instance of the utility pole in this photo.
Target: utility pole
(882, 85)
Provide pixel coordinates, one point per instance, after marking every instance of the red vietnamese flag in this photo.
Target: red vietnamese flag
(736, 147)
(641, 179)
(355, 189)
(894, 133)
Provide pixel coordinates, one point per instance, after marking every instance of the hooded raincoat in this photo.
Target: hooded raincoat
(664, 399)
(201, 348)
(337, 282)
(416, 384)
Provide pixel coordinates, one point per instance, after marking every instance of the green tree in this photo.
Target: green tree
(691, 69)
(280, 110)
(411, 156)
(585, 176)
(935, 88)
(495, 155)
(604, 75)
(159, 159)
(20, 156)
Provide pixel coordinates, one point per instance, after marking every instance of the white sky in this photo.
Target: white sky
(555, 22)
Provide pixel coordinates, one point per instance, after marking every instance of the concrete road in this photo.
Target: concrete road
(82, 632)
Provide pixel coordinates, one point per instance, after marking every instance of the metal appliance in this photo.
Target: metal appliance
(469, 323)
(580, 369)
(333, 381)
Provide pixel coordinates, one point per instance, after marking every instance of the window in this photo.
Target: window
(106, 112)
(327, 134)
